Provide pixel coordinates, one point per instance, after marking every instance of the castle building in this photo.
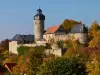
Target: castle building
(57, 33)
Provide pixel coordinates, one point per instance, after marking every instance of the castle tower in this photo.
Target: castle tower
(39, 25)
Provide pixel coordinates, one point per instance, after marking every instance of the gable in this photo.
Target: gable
(17, 37)
(23, 38)
(60, 30)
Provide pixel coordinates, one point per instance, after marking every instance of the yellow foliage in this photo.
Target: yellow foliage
(94, 28)
(93, 66)
(21, 67)
(6, 61)
(95, 42)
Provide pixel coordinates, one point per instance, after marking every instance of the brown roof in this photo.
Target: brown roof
(52, 29)
(10, 66)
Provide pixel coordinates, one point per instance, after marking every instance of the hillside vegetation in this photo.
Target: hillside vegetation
(78, 59)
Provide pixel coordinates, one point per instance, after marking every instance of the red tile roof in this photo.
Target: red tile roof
(10, 65)
(52, 29)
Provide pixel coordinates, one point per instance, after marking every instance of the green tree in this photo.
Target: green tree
(35, 59)
(22, 50)
(62, 66)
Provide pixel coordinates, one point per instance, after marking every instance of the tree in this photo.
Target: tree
(68, 24)
(95, 42)
(94, 28)
(35, 59)
(11, 59)
(4, 50)
(62, 66)
(22, 50)
(73, 48)
(93, 65)
(21, 67)
(4, 44)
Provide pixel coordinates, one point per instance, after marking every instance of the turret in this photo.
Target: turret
(39, 19)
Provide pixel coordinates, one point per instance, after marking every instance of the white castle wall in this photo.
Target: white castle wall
(47, 37)
(82, 37)
(13, 46)
(61, 37)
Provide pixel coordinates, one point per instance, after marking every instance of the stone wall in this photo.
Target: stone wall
(47, 37)
(13, 46)
(38, 29)
(61, 37)
(82, 37)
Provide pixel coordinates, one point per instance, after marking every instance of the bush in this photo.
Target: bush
(22, 50)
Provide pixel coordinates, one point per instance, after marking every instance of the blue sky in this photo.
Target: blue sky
(16, 16)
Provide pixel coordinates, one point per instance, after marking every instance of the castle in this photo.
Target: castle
(41, 37)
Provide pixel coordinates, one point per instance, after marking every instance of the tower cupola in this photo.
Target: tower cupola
(39, 15)
(39, 11)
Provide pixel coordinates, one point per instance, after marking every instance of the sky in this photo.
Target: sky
(16, 16)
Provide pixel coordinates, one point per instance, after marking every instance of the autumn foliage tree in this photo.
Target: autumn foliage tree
(95, 27)
(95, 42)
(4, 50)
(21, 67)
(4, 44)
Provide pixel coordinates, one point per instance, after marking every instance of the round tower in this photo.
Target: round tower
(39, 25)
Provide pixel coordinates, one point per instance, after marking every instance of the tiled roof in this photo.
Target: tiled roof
(10, 66)
(52, 29)
(19, 37)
